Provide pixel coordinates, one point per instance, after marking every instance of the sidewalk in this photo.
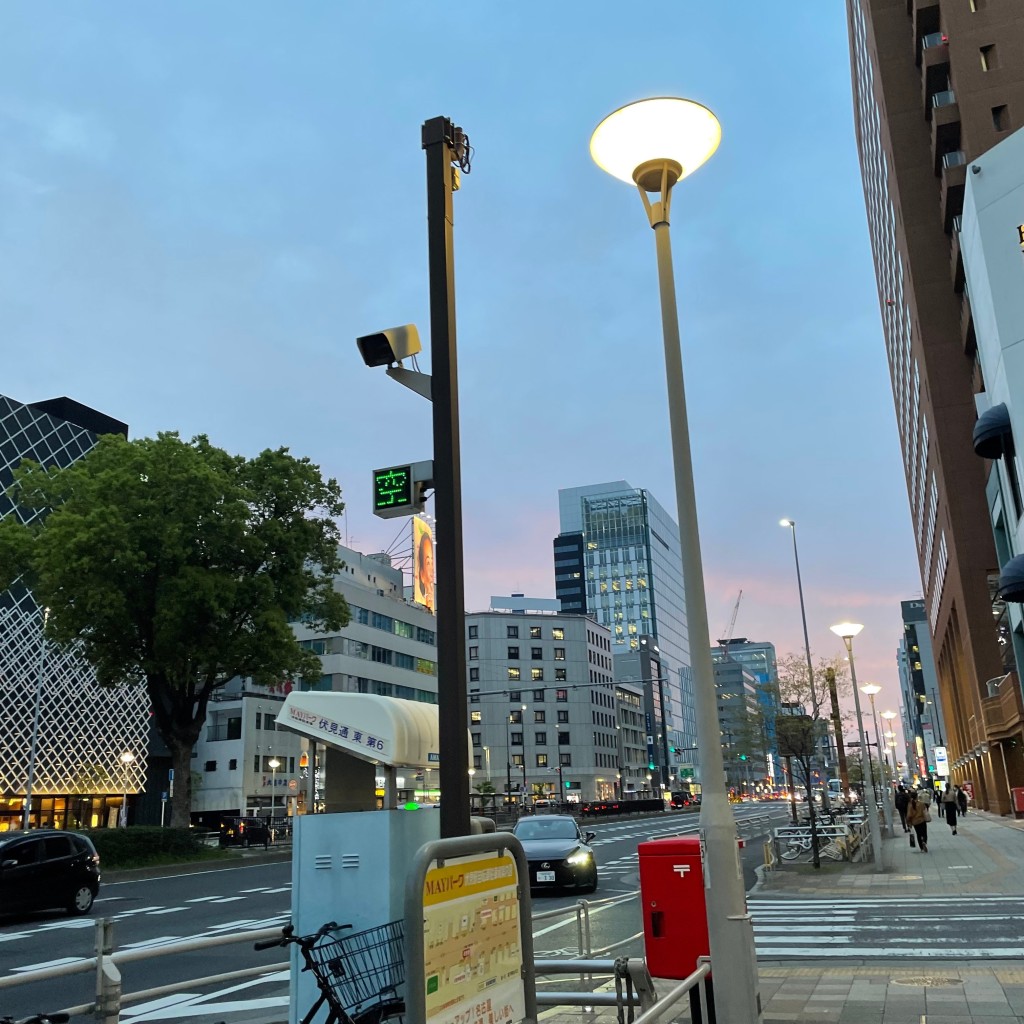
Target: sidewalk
(986, 856)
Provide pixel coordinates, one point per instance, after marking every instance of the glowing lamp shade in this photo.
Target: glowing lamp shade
(889, 715)
(786, 522)
(871, 689)
(846, 629)
(664, 128)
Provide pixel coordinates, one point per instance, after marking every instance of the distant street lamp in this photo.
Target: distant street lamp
(126, 759)
(273, 764)
(890, 736)
(847, 631)
(883, 765)
(653, 144)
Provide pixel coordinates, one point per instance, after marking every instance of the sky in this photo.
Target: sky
(203, 205)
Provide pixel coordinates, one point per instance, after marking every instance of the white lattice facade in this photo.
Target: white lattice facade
(80, 777)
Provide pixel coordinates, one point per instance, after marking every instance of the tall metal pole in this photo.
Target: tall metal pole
(883, 767)
(442, 141)
(30, 777)
(876, 832)
(938, 724)
(508, 759)
(730, 929)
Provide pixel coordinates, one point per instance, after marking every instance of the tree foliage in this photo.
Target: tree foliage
(176, 564)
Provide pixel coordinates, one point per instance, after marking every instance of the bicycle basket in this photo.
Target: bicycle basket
(364, 968)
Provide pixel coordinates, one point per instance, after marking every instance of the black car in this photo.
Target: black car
(244, 832)
(558, 853)
(45, 868)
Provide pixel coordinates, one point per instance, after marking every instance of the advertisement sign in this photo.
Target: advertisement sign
(473, 956)
(422, 563)
(941, 762)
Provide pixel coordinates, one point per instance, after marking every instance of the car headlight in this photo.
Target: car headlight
(579, 857)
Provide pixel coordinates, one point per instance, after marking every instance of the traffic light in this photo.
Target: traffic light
(568, 785)
(743, 757)
(651, 766)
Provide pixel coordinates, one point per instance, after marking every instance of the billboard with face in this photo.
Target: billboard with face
(422, 563)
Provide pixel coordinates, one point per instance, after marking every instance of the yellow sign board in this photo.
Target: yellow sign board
(471, 941)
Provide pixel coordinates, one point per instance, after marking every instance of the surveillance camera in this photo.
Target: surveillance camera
(385, 348)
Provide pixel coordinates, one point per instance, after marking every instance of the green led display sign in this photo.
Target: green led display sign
(392, 488)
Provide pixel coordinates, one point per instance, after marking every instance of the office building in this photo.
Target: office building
(741, 725)
(936, 85)
(542, 704)
(617, 558)
(81, 773)
(388, 648)
(922, 720)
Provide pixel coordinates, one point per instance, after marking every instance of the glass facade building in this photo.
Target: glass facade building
(618, 559)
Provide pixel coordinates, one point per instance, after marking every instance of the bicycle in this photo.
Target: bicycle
(835, 849)
(38, 1018)
(358, 975)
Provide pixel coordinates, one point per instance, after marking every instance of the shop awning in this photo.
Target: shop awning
(1011, 580)
(384, 730)
(991, 431)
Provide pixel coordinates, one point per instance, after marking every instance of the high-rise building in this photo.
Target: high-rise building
(919, 690)
(81, 776)
(935, 85)
(618, 559)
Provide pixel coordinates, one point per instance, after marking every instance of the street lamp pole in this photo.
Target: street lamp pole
(126, 759)
(653, 144)
(508, 760)
(883, 765)
(273, 764)
(935, 716)
(890, 737)
(847, 631)
(30, 777)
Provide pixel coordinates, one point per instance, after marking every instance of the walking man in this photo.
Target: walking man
(917, 816)
(902, 800)
(961, 799)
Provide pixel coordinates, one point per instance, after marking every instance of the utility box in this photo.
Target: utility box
(1018, 801)
(673, 907)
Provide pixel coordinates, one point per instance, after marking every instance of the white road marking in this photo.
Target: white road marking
(166, 910)
(48, 963)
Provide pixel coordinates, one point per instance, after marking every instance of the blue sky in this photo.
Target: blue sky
(203, 205)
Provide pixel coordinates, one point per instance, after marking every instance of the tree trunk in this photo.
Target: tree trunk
(181, 801)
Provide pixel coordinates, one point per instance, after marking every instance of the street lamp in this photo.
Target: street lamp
(126, 759)
(890, 737)
(653, 144)
(847, 631)
(883, 765)
(26, 811)
(273, 764)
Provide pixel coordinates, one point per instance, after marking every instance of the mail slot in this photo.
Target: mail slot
(672, 898)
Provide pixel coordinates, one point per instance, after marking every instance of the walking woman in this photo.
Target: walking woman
(917, 817)
(949, 807)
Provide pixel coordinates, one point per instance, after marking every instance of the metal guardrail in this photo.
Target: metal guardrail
(109, 995)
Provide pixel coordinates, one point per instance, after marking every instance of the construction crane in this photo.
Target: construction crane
(727, 633)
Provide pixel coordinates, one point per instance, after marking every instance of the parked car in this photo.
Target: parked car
(244, 832)
(557, 852)
(47, 868)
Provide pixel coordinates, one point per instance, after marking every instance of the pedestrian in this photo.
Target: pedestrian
(961, 800)
(949, 807)
(918, 816)
(902, 800)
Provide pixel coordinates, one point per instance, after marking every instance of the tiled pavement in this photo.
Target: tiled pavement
(986, 856)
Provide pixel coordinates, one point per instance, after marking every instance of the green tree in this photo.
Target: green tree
(176, 564)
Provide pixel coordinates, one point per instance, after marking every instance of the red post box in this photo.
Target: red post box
(672, 901)
(1018, 801)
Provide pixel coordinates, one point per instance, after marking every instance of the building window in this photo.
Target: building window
(563, 717)
(233, 765)
(474, 675)
(515, 717)
(517, 760)
(478, 760)
(210, 766)
(256, 763)
(542, 760)
(560, 676)
(559, 654)
(537, 653)
(535, 632)
(562, 695)
(557, 633)
(517, 739)
(565, 760)
(476, 739)
(512, 632)
(474, 696)
(1000, 118)
(515, 696)
(538, 695)
(563, 739)
(476, 716)
(513, 654)
(540, 739)
(989, 61)
(514, 674)
(538, 716)
(537, 675)
(474, 654)
(259, 719)
(474, 632)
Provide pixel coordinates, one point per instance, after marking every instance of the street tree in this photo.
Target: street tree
(178, 565)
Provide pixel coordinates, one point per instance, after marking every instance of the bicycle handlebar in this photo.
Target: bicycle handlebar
(288, 935)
